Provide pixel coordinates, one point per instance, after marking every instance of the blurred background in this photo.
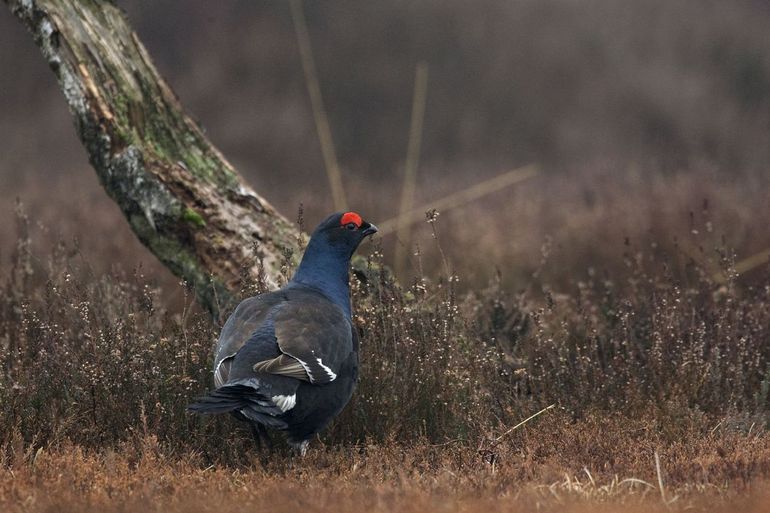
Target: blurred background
(649, 122)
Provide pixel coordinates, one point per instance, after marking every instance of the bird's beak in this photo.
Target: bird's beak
(369, 230)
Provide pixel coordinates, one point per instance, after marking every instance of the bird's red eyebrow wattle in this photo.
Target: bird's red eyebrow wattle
(351, 217)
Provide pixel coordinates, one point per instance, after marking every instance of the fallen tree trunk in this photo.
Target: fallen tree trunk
(182, 198)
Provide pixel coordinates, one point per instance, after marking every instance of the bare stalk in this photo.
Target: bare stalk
(410, 167)
(333, 172)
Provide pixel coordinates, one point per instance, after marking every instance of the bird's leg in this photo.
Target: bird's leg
(261, 438)
(301, 447)
(265, 437)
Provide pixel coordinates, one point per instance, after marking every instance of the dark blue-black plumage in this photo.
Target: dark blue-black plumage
(288, 359)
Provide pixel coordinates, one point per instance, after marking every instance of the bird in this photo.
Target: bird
(288, 359)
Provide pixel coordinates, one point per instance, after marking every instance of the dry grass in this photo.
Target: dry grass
(603, 464)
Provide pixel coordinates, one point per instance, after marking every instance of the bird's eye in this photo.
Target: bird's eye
(351, 226)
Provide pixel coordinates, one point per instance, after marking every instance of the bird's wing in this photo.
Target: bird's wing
(314, 336)
(283, 365)
(243, 383)
(248, 317)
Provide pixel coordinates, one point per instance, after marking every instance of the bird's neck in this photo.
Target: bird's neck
(326, 269)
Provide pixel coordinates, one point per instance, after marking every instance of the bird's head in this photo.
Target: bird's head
(326, 261)
(343, 232)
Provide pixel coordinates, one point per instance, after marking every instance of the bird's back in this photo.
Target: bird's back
(250, 315)
(300, 314)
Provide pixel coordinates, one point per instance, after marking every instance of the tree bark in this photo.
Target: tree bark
(182, 198)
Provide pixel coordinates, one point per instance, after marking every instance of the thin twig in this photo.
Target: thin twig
(432, 215)
(660, 477)
(319, 113)
(634, 480)
(410, 167)
(517, 426)
(745, 265)
(459, 198)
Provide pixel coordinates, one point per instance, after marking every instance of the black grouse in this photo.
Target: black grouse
(288, 359)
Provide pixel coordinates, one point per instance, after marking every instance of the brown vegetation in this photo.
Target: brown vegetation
(606, 286)
(655, 362)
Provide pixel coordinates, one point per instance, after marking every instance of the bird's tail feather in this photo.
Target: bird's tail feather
(243, 398)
